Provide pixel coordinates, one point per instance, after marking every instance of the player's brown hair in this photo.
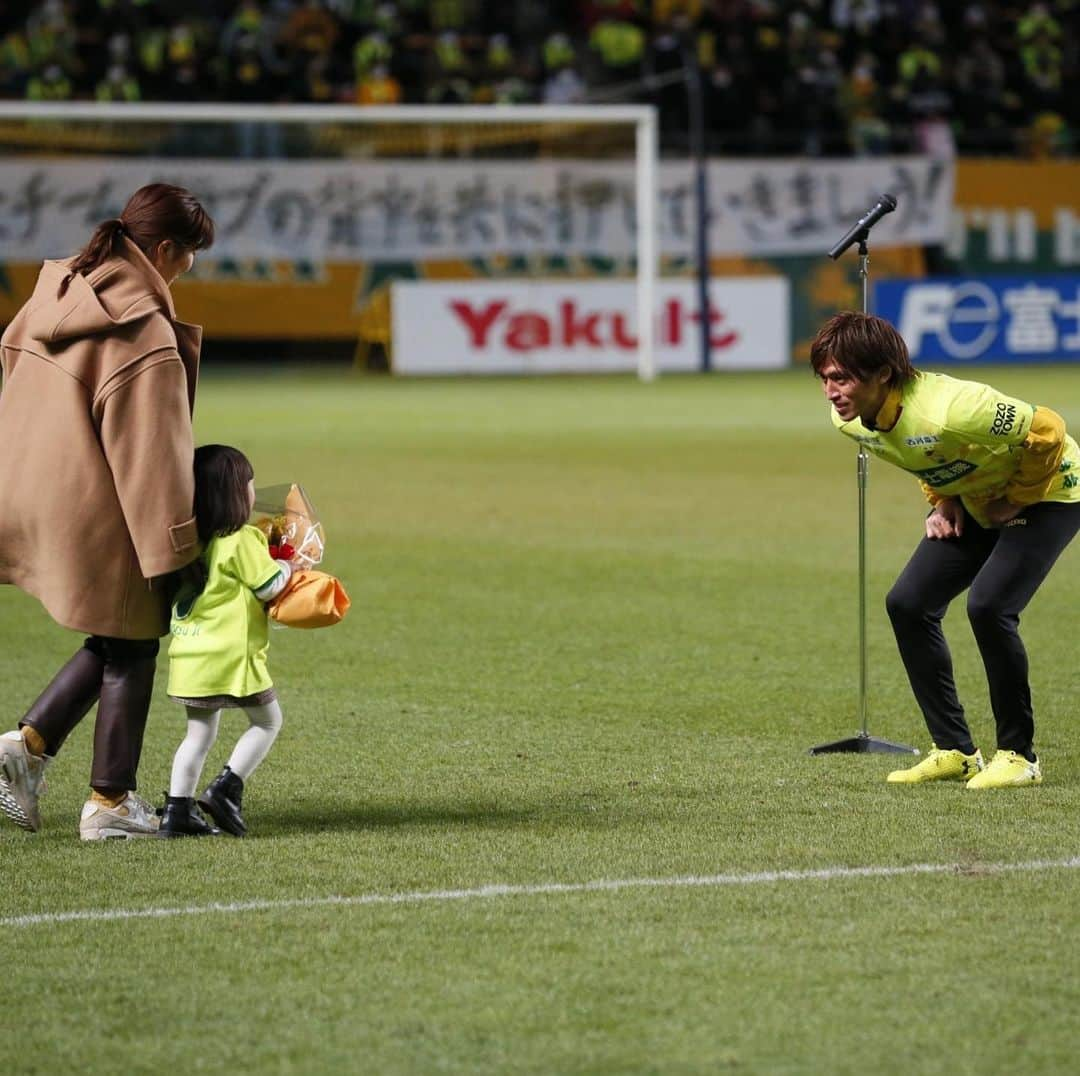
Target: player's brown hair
(861, 345)
(154, 213)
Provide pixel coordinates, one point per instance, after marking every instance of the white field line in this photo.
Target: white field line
(486, 892)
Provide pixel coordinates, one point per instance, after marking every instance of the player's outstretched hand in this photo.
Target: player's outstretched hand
(946, 520)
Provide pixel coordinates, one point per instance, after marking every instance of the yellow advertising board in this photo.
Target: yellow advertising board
(1042, 187)
(1016, 216)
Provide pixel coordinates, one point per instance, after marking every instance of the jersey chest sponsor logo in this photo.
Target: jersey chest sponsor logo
(1004, 419)
(946, 473)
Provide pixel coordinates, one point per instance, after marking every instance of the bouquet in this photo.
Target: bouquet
(288, 519)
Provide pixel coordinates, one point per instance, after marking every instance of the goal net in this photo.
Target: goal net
(434, 240)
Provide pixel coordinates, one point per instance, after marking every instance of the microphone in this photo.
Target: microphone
(885, 204)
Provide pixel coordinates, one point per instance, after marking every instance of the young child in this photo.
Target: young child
(217, 656)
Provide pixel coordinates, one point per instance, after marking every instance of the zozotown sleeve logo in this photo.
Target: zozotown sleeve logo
(1004, 419)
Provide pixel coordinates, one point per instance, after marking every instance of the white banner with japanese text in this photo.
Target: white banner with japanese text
(385, 211)
(584, 326)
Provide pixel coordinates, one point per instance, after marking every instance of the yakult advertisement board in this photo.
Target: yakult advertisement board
(584, 326)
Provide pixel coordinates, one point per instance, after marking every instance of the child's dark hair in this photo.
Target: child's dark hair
(222, 475)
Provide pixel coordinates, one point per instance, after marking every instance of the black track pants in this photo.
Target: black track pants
(1003, 569)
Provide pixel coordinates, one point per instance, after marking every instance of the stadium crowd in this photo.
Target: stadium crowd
(778, 76)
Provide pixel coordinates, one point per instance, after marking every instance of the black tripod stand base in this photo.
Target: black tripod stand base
(863, 744)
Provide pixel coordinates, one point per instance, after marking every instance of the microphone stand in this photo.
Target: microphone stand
(862, 742)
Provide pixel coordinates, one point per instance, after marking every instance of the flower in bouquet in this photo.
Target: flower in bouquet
(285, 514)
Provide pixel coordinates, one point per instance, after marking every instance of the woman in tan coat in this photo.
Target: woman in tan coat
(96, 468)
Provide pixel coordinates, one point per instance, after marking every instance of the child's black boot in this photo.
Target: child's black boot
(222, 800)
(181, 818)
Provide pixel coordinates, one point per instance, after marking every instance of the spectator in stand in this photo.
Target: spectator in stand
(767, 73)
(388, 19)
(51, 38)
(184, 71)
(1042, 68)
(251, 69)
(558, 52)
(862, 101)
(1038, 20)
(773, 69)
(119, 84)
(564, 87)
(307, 40)
(618, 49)
(500, 81)
(919, 65)
(728, 78)
(149, 50)
(453, 16)
(664, 11)
(378, 87)
(52, 84)
(15, 63)
(357, 14)
(312, 47)
(1048, 136)
(933, 134)
(317, 83)
(449, 81)
(373, 50)
(987, 110)
(311, 28)
(594, 11)
(811, 89)
(247, 70)
(861, 16)
(531, 21)
(920, 92)
(563, 84)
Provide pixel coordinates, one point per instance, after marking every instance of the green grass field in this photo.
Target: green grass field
(596, 626)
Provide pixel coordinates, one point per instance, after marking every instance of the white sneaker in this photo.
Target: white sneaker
(131, 817)
(22, 781)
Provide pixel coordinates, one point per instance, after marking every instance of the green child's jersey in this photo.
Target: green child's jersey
(219, 641)
(964, 439)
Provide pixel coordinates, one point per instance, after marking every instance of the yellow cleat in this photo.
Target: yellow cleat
(1008, 769)
(939, 766)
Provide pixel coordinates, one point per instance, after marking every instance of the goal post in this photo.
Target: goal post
(33, 128)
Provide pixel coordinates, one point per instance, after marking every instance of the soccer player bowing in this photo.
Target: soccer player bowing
(1003, 480)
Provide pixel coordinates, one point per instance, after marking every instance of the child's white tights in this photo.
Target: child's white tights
(202, 730)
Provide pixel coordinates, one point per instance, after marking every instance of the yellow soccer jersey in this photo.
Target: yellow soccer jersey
(219, 641)
(964, 439)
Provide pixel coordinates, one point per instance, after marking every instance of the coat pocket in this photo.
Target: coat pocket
(184, 535)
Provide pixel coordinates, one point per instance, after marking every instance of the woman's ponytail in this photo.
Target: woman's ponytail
(153, 214)
(105, 242)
